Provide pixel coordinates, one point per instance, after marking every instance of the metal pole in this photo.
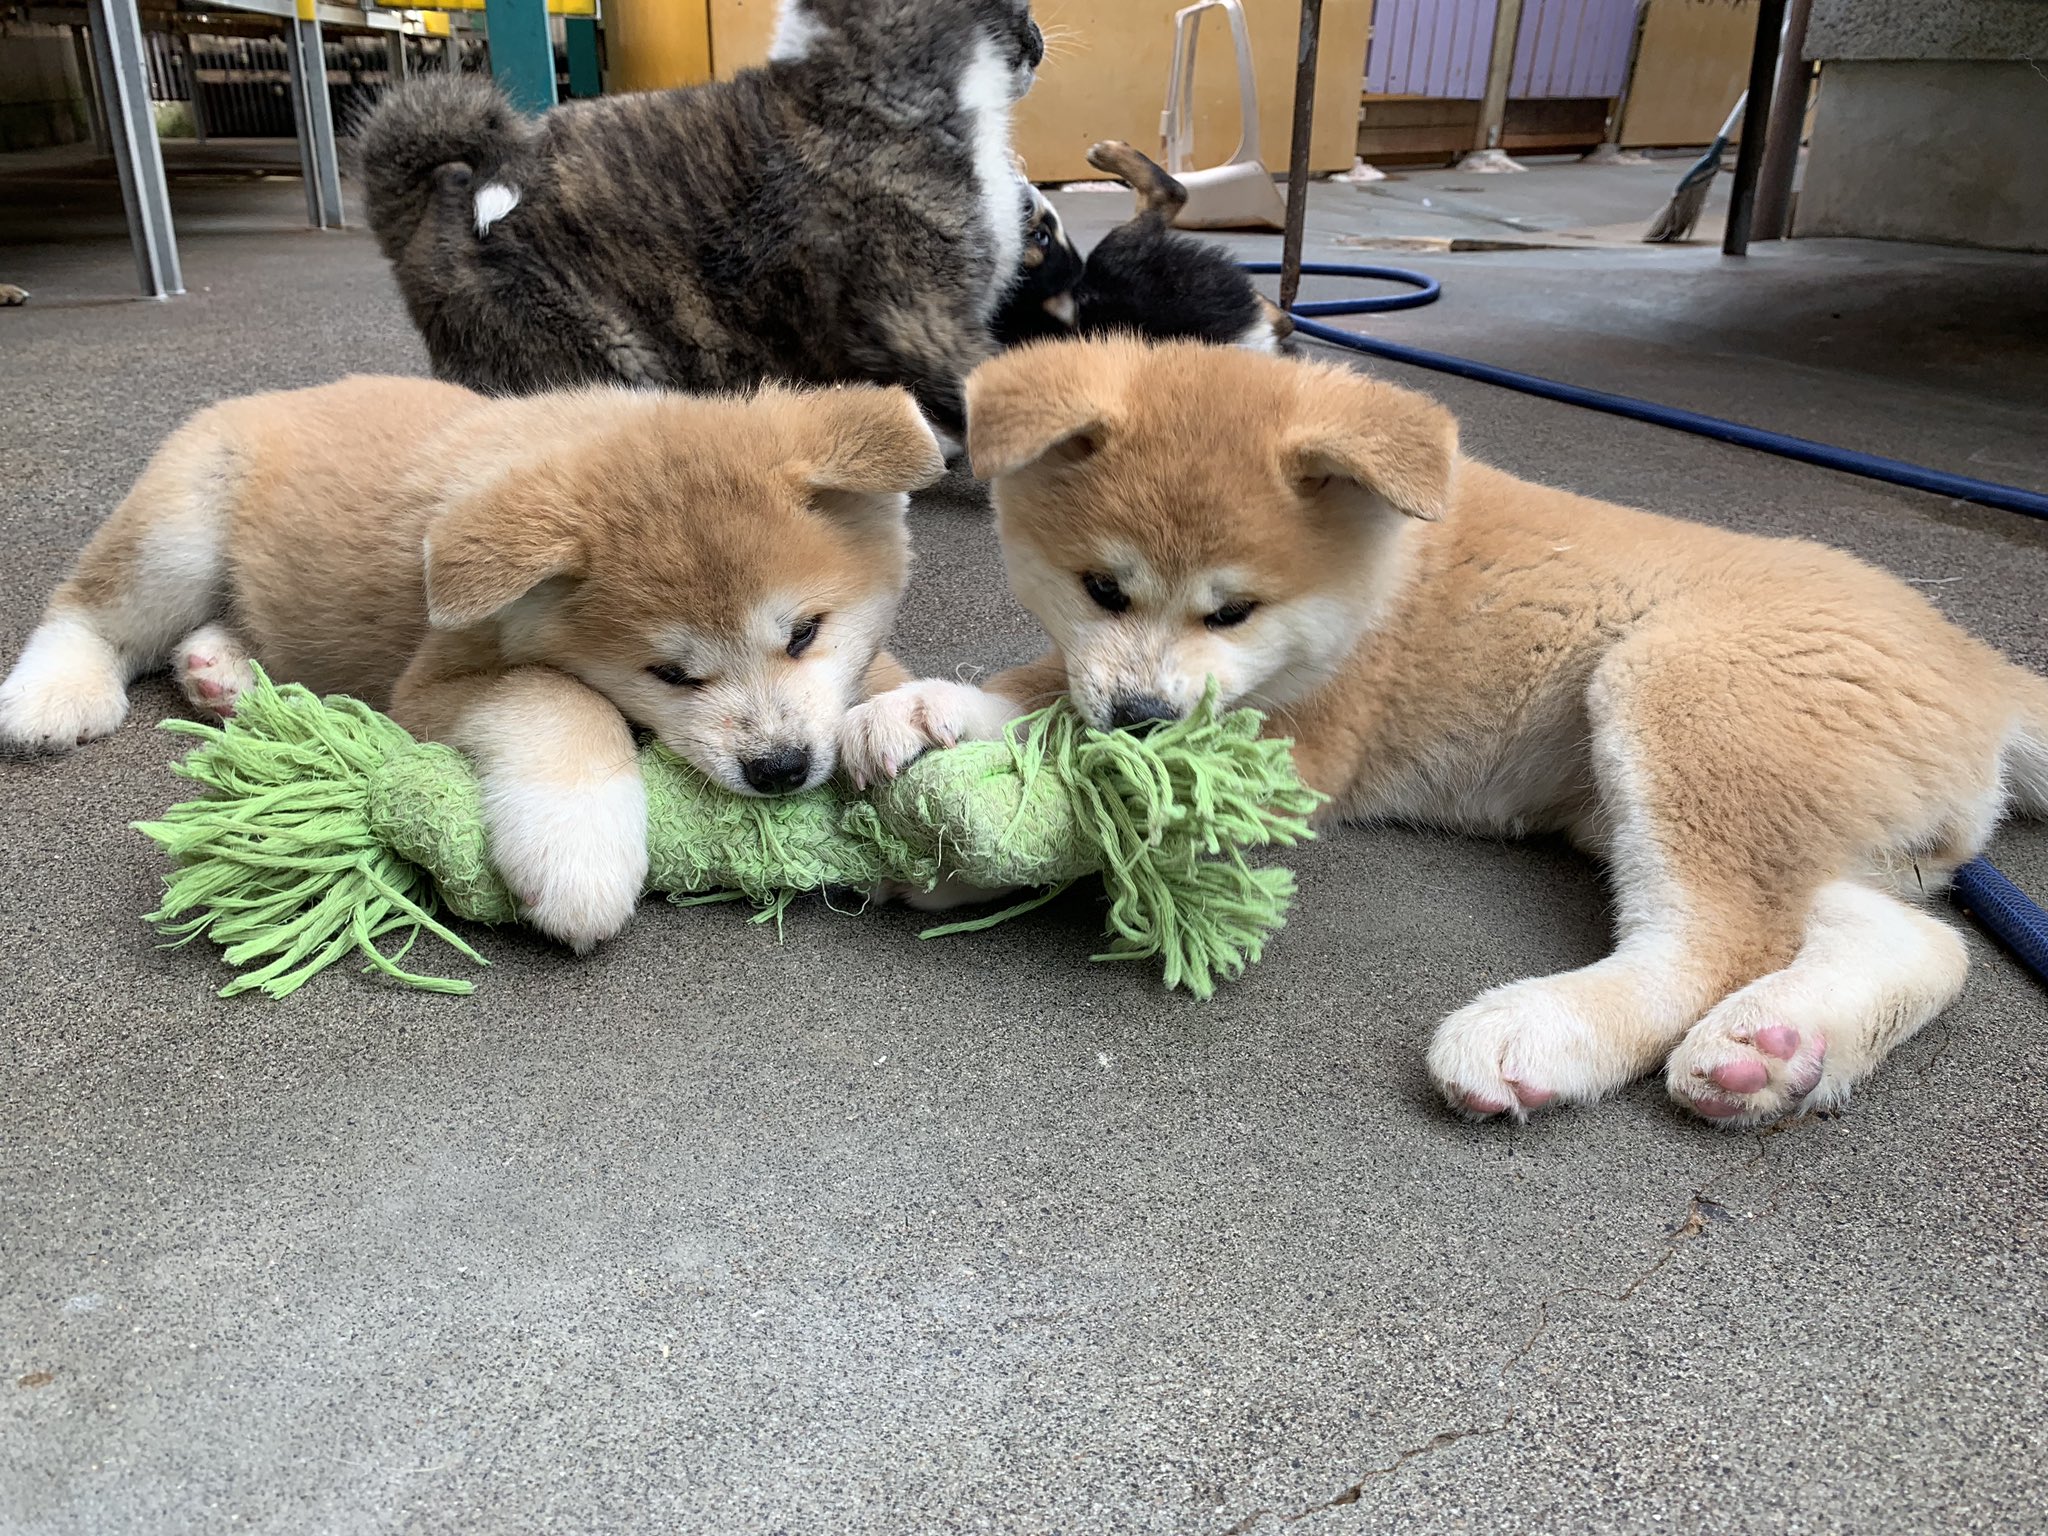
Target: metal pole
(1297, 153)
(95, 104)
(145, 193)
(1749, 157)
(190, 66)
(319, 162)
(522, 51)
(1788, 122)
(394, 67)
(1500, 67)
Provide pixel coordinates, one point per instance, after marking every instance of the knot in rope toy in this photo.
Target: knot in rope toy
(327, 828)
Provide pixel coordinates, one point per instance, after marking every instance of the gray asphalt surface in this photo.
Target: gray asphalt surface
(854, 1233)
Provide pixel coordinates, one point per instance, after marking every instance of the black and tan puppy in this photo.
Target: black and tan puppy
(1142, 278)
(848, 211)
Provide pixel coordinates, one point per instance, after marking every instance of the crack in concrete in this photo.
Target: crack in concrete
(1700, 1209)
(1356, 1491)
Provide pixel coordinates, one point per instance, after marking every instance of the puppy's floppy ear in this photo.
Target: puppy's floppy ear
(866, 439)
(1026, 403)
(1397, 444)
(494, 548)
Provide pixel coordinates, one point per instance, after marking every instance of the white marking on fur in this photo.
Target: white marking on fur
(2024, 758)
(1260, 337)
(1061, 307)
(494, 199)
(757, 699)
(987, 92)
(1160, 647)
(70, 686)
(574, 854)
(565, 811)
(796, 32)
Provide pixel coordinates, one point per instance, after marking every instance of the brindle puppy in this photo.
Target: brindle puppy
(848, 211)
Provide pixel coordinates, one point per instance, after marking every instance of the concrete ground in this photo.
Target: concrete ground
(847, 1232)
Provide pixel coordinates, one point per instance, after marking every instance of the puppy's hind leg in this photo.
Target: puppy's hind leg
(1698, 914)
(212, 668)
(1160, 197)
(152, 573)
(1871, 972)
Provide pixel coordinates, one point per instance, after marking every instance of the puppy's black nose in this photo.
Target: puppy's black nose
(778, 772)
(1134, 710)
(1034, 45)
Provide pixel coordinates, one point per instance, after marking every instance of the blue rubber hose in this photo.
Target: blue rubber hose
(2004, 910)
(1979, 888)
(1872, 466)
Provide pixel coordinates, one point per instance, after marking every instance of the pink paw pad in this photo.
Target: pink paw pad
(1779, 1040)
(1745, 1076)
(1482, 1104)
(1714, 1107)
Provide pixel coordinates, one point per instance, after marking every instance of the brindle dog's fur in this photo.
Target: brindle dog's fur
(820, 219)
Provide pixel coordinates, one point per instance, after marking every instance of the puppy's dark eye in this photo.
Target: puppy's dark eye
(674, 676)
(1231, 614)
(801, 637)
(1041, 236)
(1105, 591)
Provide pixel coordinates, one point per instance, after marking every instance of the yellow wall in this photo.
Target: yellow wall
(653, 44)
(1693, 63)
(1105, 77)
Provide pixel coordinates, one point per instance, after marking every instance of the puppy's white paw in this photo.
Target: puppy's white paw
(885, 735)
(1519, 1048)
(68, 688)
(574, 858)
(1746, 1064)
(211, 668)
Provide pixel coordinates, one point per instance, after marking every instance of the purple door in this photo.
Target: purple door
(1439, 48)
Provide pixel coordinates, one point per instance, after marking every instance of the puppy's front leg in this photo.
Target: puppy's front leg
(889, 732)
(565, 811)
(912, 715)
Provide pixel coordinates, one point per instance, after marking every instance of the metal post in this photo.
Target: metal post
(145, 194)
(522, 51)
(394, 46)
(1500, 68)
(192, 102)
(580, 33)
(1297, 153)
(1763, 66)
(319, 162)
(1788, 122)
(95, 103)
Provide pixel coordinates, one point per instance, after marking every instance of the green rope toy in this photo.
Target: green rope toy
(326, 828)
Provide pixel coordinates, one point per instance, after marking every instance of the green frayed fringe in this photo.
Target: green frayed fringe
(278, 864)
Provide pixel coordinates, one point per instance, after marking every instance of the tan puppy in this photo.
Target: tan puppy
(523, 579)
(1768, 742)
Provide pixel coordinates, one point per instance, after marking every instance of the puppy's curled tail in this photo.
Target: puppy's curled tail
(429, 140)
(2026, 750)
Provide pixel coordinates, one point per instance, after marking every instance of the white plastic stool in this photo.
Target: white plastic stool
(1238, 194)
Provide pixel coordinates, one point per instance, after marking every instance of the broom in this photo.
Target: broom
(1678, 217)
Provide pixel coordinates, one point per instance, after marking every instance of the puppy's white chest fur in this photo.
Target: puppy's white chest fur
(986, 100)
